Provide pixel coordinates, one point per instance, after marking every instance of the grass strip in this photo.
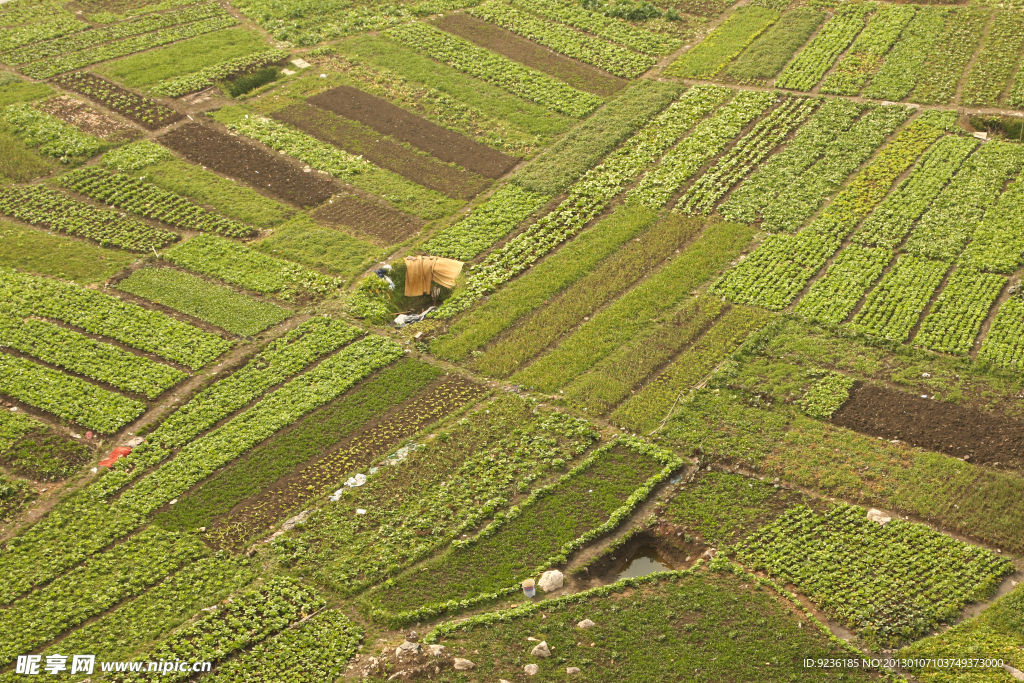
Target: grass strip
(318, 433)
(956, 316)
(418, 504)
(67, 397)
(867, 52)
(589, 501)
(216, 304)
(607, 281)
(552, 275)
(724, 43)
(766, 56)
(35, 251)
(653, 403)
(611, 381)
(634, 312)
(73, 351)
(580, 149)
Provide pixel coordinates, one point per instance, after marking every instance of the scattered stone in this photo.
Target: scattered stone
(461, 664)
(407, 648)
(413, 637)
(137, 441)
(586, 623)
(301, 63)
(709, 554)
(572, 670)
(532, 639)
(531, 669)
(297, 519)
(551, 581)
(879, 516)
(541, 650)
(437, 650)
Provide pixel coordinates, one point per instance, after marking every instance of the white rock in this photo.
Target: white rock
(301, 63)
(879, 516)
(407, 648)
(586, 623)
(551, 581)
(531, 669)
(572, 670)
(357, 480)
(463, 664)
(437, 650)
(541, 650)
(132, 443)
(297, 519)
(360, 511)
(1016, 673)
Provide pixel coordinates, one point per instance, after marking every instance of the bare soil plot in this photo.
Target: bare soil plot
(85, 118)
(249, 518)
(144, 111)
(387, 119)
(963, 432)
(496, 39)
(231, 156)
(358, 139)
(378, 220)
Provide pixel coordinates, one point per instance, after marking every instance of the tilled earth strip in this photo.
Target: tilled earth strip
(251, 517)
(387, 119)
(358, 139)
(234, 158)
(379, 221)
(981, 437)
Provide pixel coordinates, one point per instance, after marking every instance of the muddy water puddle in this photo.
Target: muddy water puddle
(646, 560)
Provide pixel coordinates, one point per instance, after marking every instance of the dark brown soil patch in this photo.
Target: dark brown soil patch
(251, 517)
(86, 119)
(377, 220)
(963, 432)
(144, 111)
(496, 39)
(358, 139)
(387, 119)
(231, 156)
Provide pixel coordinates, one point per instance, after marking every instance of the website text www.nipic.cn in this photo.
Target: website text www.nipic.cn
(31, 665)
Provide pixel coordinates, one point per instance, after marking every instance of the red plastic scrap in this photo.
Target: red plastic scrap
(115, 455)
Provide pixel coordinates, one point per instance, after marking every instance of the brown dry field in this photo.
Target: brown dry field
(377, 220)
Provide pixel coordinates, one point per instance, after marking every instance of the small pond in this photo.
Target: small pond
(646, 560)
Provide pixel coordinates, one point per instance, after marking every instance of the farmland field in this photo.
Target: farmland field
(718, 374)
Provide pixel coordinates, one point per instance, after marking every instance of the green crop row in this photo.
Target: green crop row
(948, 58)
(588, 197)
(317, 434)
(44, 207)
(183, 85)
(644, 410)
(615, 30)
(708, 139)
(150, 113)
(517, 79)
(751, 150)
(587, 503)
(780, 268)
(834, 560)
(811, 141)
(227, 629)
(804, 72)
(949, 223)
(997, 245)
(724, 43)
(29, 448)
(317, 650)
(122, 572)
(895, 304)
(149, 201)
(956, 317)
(441, 490)
(216, 304)
(610, 381)
(894, 217)
(900, 71)
(49, 135)
(296, 399)
(866, 54)
(1004, 343)
(996, 61)
(771, 51)
(487, 223)
(78, 353)
(827, 395)
(65, 396)
(636, 311)
(13, 427)
(120, 48)
(560, 38)
(578, 302)
(135, 156)
(56, 25)
(294, 143)
(832, 298)
(99, 313)
(245, 267)
(795, 204)
(89, 37)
